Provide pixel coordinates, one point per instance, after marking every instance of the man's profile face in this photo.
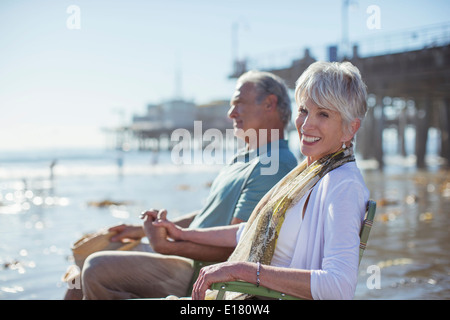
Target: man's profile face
(245, 112)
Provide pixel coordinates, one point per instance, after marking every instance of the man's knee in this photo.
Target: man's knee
(94, 267)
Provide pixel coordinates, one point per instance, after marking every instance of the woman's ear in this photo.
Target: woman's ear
(352, 129)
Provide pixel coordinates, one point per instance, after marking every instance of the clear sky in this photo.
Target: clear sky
(63, 76)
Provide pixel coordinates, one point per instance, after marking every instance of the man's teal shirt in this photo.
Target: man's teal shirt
(243, 182)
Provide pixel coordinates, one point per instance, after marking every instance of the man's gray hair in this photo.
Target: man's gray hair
(336, 86)
(267, 83)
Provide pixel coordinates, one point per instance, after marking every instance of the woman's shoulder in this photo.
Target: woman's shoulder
(348, 173)
(345, 185)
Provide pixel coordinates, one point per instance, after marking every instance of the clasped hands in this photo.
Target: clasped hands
(160, 231)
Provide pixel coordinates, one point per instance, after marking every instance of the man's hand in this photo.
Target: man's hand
(127, 233)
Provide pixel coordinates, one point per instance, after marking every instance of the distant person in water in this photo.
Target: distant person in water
(52, 166)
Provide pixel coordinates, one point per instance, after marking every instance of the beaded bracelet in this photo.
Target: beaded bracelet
(258, 269)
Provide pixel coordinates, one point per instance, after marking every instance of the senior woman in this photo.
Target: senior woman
(303, 237)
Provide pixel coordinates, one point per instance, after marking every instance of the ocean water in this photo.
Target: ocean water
(41, 216)
(43, 211)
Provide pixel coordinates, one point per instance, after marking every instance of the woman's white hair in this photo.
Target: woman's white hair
(267, 83)
(335, 86)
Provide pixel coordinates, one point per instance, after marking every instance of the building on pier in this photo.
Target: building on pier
(161, 120)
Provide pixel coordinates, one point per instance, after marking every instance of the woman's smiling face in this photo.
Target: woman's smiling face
(320, 130)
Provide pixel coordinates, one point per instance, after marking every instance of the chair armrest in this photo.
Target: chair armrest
(249, 288)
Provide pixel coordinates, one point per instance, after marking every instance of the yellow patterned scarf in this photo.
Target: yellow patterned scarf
(259, 238)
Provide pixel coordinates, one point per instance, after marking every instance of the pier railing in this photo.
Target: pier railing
(381, 43)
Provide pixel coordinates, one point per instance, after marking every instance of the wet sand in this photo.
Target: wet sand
(409, 242)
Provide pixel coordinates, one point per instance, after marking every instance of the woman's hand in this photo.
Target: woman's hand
(221, 272)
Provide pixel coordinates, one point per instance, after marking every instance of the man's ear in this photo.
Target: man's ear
(271, 102)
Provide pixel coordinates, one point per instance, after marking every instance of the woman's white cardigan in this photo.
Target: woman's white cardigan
(328, 241)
